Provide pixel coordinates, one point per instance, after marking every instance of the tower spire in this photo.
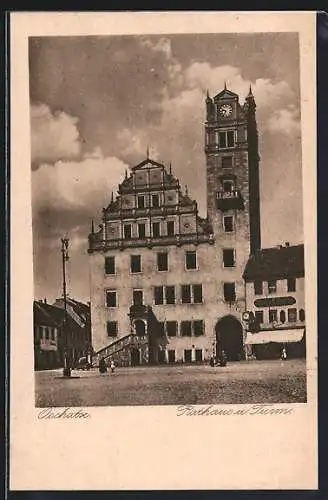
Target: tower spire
(147, 152)
(126, 173)
(207, 94)
(225, 84)
(250, 93)
(170, 168)
(112, 197)
(92, 226)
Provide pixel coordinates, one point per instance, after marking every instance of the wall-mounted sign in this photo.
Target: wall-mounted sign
(275, 302)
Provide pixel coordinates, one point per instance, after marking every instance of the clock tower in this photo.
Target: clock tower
(233, 200)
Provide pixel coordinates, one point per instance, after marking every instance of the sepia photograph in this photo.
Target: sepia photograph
(167, 219)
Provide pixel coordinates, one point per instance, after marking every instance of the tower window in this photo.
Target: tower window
(127, 231)
(162, 261)
(272, 286)
(227, 139)
(137, 297)
(142, 230)
(228, 223)
(273, 315)
(258, 287)
(227, 162)
(170, 228)
(135, 263)
(111, 298)
(229, 291)
(291, 285)
(156, 229)
(141, 201)
(112, 328)
(191, 260)
(155, 200)
(110, 265)
(228, 257)
(292, 315)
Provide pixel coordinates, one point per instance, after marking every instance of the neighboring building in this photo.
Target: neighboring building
(274, 280)
(160, 271)
(52, 339)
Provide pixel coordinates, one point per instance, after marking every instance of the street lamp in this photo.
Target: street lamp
(64, 251)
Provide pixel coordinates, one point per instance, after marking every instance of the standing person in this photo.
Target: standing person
(102, 366)
(223, 359)
(283, 354)
(112, 366)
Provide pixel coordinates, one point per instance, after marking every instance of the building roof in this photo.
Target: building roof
(275, 263)
(42, 316)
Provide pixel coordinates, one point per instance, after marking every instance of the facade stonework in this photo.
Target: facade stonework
(195, 293)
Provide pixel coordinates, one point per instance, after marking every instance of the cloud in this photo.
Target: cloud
(54, 135)
(284, 121)
(163, 46)
(76, 185)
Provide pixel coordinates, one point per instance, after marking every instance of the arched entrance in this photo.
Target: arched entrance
(140, 327)
(229, 338)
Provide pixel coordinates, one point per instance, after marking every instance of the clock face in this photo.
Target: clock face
(225, 110)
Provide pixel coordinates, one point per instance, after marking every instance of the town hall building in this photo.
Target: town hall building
(167, 286)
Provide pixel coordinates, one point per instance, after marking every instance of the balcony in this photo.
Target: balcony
(229, 200)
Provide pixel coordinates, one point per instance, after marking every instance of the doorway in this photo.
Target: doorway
(229, 338)
(140, 328)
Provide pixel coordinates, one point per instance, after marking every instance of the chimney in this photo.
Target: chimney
(45, 300)
(287, 244)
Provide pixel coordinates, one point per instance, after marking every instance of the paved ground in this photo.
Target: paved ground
(243, 382)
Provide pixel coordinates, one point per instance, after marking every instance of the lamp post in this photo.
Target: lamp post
(64, 251)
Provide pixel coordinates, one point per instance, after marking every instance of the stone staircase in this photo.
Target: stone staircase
(118, 350)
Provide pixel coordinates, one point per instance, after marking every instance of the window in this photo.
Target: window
(53, 333)
(185, 294)
(199, 355)
(228, 257)
(227, 162)
(227, 186)
(198, 327)
(291, 285)
(170, 228)
(142, 230)
(197, 292)
(155, 200)
(272, 286)
(273, 315)
(191, 260)
(171, 328)
(191, 294)
(259, 317)
(171, 355)
(282, 317)
(127, 231)
(258, 287)
(110, 265)
(47, 333)
(112, 328)
(156, 229)
(229, 291)
(228, 223)
(301, 315)
(137, 297)
(187, 355)
(141, 202)
(292, 315)
(170, 294)
(135, 263)
(227, 139)
(111, 298)
(185, 328)
(162, 261)
(159, 297)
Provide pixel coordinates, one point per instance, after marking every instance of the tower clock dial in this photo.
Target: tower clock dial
(225, 110)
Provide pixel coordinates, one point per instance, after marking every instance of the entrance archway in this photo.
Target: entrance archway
(140, 327)
(229, 338)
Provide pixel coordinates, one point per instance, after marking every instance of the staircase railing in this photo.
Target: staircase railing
(131, 340)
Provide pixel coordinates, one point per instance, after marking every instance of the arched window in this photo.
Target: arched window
(301, 315)
(282, 316)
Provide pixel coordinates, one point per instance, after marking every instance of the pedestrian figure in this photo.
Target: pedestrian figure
(223, 359)
(112, 366)
(212, 361)
(102, 366)
(283, 354)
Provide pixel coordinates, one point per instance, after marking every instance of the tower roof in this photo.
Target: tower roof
(225, 94)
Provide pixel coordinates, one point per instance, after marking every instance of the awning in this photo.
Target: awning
(280, 336)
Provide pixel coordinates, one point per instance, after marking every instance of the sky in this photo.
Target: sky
(97, 103)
